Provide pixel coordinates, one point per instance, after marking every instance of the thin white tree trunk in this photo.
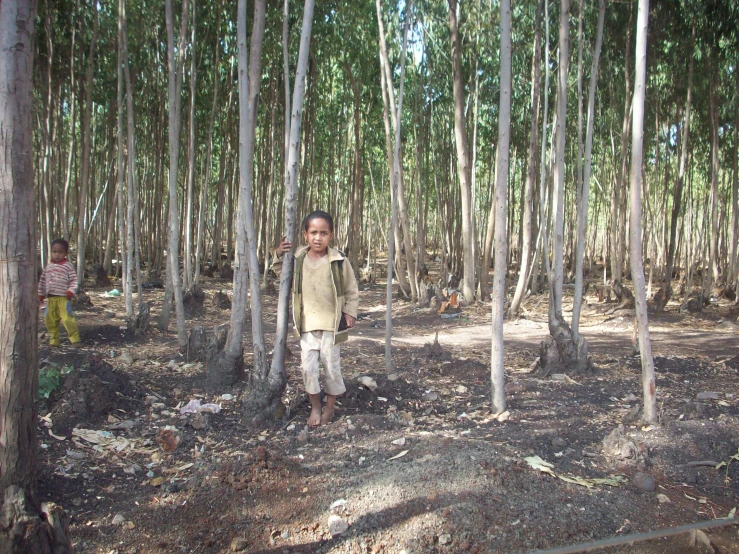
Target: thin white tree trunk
(463, 159)
(85, 174)
(188, 250)
(523, 272)
(277, 376)
(635, 239)
(246, 272)
(555, 310)
(203, 205)
(395, 114)
(582, 209)
(174, 93)
(497, 369)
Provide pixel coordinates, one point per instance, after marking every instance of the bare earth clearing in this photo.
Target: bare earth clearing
(417, 465)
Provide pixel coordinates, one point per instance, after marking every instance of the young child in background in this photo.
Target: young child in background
(325, 302)
(58, 285)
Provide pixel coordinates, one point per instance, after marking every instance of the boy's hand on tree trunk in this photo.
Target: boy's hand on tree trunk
(284, 246)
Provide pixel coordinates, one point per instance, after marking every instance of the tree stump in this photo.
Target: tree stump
(559, 353)
(81, 301)
(624, 295)
(660, 299)
(196, 343)
(221, 301)
(223, 370)
(24, 530)
(139, 324)
(101, 277)
(226, 272)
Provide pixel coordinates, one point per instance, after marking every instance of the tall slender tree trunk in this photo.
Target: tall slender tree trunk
(584, 194)
(497, 370)
(174, 95)
(20, 507)
(224, 369)
(664, 295)
(395, 115)
(463, 158)
(635, 241)
(189, 273)
(270, 386)
(713, 274)
(87, 131)
(527, 208)
(733, 273)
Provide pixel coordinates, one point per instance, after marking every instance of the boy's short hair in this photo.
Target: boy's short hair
(318, 214)
(63, 243)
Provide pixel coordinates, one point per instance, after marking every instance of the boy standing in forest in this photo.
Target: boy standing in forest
(58, 285)
(325, 302)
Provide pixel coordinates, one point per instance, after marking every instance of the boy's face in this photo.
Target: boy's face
(58, 253)
(318, 236)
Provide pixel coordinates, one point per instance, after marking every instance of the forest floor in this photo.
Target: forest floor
(420, 464)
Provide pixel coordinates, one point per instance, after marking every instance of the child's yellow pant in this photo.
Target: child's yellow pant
(60, 308)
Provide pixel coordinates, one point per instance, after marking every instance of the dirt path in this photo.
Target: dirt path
(417, 465)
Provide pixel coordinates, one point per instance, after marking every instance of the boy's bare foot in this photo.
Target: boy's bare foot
(327, 416)
(315, 418)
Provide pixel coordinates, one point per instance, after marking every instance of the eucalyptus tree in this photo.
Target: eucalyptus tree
(635, 230)
(497, 372)
(263, 398)
(174, 92)
(226, 366)
(463, 156)
(20, 507)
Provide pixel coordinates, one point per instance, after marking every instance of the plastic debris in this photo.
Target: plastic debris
(194, 407)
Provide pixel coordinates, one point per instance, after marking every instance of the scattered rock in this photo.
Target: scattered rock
(368, 382)
(559, 442)
(238, 544)
(707, 395)
(446, 538)
(431, 396)
(663, 499)
(109, 314)
(199, 422)
(620, 447)
(337, 525)
(126, 357)
(118, 519)
(168, 438)
(643, 482)
(461, 389)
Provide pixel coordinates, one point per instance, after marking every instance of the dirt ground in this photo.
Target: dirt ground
(417, 465)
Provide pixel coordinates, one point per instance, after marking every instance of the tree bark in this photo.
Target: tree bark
(174, 95)
(635, 239)
(87, 131)
(527, 207)
(189, 273)
(463, 158)
(584, 195)
(666, 292)
(223, 370)
(272, 385)
(497, 370)
(25, 530)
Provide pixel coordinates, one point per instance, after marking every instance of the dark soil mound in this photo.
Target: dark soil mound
(90, 392)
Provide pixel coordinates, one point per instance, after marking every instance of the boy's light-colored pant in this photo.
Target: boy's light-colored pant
(315, 345)
(60, 308)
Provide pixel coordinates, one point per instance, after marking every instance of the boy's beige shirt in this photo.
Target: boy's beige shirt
(319, 302)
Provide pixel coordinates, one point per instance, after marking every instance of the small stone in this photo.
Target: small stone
(392, 377)
(663, 498)
(118, 519)
(77, 502)
(559, 442)
(643, 481)
(285, 534)
(109, 314)
(707, 395)
(431, 396)
(337, 525)
(238, 544)
(126, 357)
(446, 538)
(461, 389)
(199, 422)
